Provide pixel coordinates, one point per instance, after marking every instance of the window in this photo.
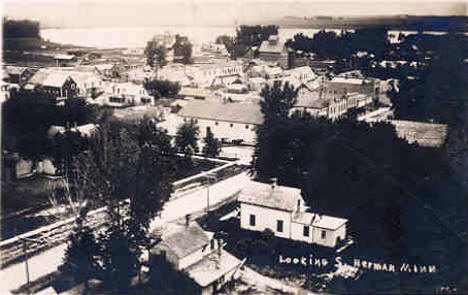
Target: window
(306, 231)
(324, 234)
(279, 226)
(216, 123)
(246, 126)
(252, 220)
(231, 125)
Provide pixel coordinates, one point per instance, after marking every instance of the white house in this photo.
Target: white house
(195, 251)
(122, 94)
(282, 210)
(229, 122)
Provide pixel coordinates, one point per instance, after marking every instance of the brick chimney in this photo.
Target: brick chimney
(187, 220)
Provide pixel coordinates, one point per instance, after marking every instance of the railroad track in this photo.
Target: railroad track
(11, 250)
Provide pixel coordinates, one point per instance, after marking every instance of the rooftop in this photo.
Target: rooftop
(14, 70)
(212, 267)
(344, 80)
(322, 221)
(49, 78)
(272, 45)
(247, 113)
(311, 99)
(185, 241)
(264, 194)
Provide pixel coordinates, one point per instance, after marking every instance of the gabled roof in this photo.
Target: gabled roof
(14, 70)
(212, 267)
(246, 113)
(185, 241)
(272, 46)
(322, 221)
(277, 197)
(49, 78)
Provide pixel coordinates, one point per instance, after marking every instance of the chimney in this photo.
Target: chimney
(187, 220)
(274, 182)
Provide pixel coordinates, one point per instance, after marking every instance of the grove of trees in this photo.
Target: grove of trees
(162, 88)
(367, 174)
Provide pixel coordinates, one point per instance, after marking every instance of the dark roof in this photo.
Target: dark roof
(277, 197)
(185, 241)
(247, 113)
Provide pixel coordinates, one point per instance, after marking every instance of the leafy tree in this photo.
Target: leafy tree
(120, 255)
(82, 254)
(155, 54)
(212, 146)
(162, 88)
(155, 172)
(183, 49)
(186, 140)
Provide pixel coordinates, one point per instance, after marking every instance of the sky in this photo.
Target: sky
(92, 13)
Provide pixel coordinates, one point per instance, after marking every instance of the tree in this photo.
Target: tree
(162, 88)
(155, 172)
(275, 105)
(155, 53)
(120, 255)
(212, 146)
(81, 255)
(186, 140)
(28, 116)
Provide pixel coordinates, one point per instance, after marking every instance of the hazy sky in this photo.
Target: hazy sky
(84, 13)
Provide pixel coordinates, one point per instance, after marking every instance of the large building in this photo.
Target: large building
(282, 210)
(339, 86)
(273, 50)
(57, 83)
(229, 122)
(200, 255)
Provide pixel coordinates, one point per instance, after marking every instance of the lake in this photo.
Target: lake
(134, 37)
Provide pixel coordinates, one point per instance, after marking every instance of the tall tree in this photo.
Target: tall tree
(212, 146)
(186, 140)
(155, 53)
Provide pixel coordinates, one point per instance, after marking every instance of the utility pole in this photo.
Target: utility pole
(26, 262)
(208, 177)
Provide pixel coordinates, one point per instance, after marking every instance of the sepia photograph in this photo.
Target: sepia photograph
(234, 147)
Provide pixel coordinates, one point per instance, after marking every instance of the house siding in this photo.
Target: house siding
(238, 131)
(266, 218)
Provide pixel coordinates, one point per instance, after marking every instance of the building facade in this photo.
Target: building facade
(282, 210)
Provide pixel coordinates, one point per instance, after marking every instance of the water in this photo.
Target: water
(134, 37)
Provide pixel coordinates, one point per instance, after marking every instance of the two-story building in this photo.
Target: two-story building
(282, 210)
(124, 94)
(339, 86)
(229, 122)
(195, 251)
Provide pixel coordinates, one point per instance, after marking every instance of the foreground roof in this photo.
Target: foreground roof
(246, 113)
(263, 194)
(185, 241)
(322, 221)
(212, 267)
